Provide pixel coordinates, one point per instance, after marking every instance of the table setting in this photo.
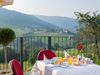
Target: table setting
(71, 65)
(68, 65)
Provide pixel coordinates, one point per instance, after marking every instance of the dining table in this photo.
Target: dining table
(47, 68)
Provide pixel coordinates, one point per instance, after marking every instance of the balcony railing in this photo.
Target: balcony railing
(25, 49)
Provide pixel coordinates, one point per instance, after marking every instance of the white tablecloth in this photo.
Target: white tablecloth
(50, 69)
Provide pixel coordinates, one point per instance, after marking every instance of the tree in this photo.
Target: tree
(89, 25)
(7, 35)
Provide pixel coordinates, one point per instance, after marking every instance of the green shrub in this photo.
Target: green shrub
(33, 56)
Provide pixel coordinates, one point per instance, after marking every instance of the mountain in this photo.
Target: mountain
(23, 23)
(27, 25)
(63, 22)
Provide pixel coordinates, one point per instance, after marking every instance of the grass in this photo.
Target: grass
(27, 66)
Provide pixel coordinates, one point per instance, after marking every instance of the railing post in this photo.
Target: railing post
(49, 42)
(21, 51)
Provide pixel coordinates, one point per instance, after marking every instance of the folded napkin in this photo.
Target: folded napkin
(47, 61)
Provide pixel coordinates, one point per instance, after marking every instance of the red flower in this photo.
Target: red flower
(79, 47)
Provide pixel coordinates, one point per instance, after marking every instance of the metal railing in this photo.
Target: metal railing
(25, 49)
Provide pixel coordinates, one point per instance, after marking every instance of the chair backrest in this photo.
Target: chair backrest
(48, 53)
(16, 67)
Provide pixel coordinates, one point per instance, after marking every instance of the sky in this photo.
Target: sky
(64, 8)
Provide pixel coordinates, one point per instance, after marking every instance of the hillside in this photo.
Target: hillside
(63, 22)
(27, 25)
(22, 22)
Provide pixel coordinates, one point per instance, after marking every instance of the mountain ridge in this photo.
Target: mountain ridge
(24, 23)
(14, 19)
(62, 22)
